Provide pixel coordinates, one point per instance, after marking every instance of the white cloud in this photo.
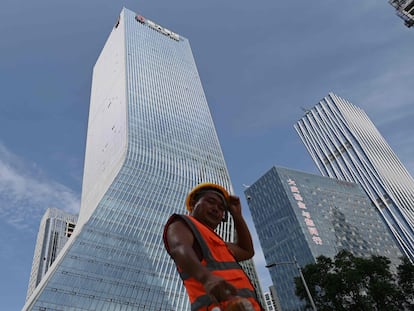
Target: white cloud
(25, 193)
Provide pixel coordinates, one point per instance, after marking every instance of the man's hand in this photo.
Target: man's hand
(218, 289)
(243, 248)
(235, 206)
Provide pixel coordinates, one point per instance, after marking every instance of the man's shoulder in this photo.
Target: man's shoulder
(174, 218)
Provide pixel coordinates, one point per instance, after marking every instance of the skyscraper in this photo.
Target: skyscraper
(150, 139)
(346, 145)
(300, 216)
(56, 227)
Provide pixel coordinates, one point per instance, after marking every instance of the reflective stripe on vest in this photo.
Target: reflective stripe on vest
(215, 266)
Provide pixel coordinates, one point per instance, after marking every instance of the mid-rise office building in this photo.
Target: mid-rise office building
(148, 132)
(300, 216)
(56, 227)
(346, 145)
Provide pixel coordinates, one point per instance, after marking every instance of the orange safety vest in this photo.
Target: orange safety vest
(219, 260)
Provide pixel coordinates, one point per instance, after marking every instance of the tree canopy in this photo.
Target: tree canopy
(353, 283)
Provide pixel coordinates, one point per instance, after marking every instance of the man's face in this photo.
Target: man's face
(209, 209)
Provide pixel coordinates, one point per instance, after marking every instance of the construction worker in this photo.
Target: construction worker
(206, 264)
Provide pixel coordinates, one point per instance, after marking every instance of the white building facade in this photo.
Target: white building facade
(271, 300)
(151, 138)
(56, 227)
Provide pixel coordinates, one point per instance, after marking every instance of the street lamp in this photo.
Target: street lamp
(294, 262)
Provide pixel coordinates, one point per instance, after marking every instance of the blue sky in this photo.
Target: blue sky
(260, 63)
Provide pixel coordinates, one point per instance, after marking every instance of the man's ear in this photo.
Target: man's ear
(192, 204)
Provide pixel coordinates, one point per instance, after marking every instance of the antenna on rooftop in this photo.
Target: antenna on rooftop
(305, 110)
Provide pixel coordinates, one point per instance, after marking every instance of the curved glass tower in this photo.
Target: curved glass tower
(150, 139)
(346, 145)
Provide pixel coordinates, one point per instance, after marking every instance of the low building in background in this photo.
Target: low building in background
(271, 301)
(300, 216)
(55, 229)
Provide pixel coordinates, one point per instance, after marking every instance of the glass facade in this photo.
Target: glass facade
(300, 215)
(148, 132)
(346, 145)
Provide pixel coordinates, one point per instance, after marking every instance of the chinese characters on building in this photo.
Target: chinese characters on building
(313, 231)
(157, 27)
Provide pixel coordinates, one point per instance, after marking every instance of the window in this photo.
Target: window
(70, 226)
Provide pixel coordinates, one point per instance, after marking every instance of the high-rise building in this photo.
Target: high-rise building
(56, 227)
(300, 216)
(345, 144)
(151, 138)
(405, 10)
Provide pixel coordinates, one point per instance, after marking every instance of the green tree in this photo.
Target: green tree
(405, 273)
(353, 283)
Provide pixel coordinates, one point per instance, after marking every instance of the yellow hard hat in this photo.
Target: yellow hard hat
(205, 186)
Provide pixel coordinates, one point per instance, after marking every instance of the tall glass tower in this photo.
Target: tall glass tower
(300, 216)
(150, 139)
(346, 145)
